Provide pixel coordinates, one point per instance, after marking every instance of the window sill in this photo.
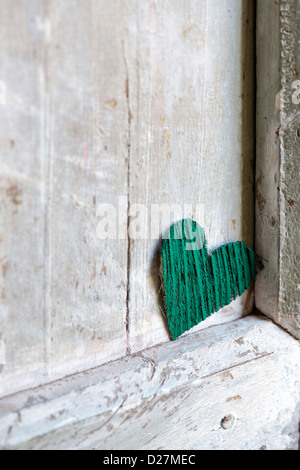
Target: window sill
(232, 386)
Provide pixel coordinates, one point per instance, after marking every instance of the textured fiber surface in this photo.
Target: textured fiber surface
(197, 284)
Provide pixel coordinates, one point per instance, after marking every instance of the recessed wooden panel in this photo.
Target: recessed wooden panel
(191, 99)
(64, 136)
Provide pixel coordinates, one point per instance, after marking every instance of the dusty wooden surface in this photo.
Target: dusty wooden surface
(233, 386)
(277, 291)
(64, 150)
(190, 88)
(150, 100)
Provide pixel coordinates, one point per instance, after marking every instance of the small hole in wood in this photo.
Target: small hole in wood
(228, 421)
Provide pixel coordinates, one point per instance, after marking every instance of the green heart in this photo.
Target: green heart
(196, 284)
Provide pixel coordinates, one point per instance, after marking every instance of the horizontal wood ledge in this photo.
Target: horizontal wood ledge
(232, 386)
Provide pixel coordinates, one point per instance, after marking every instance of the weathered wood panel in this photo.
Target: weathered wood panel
(64, 138)
(23, 174)
(88, 159)
(98, 108)
(190, 69)
(233, 386)
(277, 169)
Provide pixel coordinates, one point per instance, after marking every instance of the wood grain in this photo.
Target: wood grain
(117, 100)
(88, 159)
(23, 190)
(232, 386)
(191, 105)
(277, 169)
(65, 148)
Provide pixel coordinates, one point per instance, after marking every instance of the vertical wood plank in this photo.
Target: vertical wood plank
(87, 276)
(65, 142)
(23, 189)
(191, 137)
(277, 170)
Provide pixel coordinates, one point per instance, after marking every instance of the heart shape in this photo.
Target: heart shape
(197, 284)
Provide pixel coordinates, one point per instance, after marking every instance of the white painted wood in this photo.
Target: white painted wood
(64, 151)
(88, 158)
(23, 168)
(152, 100)
(173, 396)
(102, 100)
(190, 69)
(277, 166)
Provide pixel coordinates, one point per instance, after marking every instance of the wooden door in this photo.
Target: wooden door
(117, 119)
(114, 104)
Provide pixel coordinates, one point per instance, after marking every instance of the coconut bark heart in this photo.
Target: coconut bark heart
(197, 284)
